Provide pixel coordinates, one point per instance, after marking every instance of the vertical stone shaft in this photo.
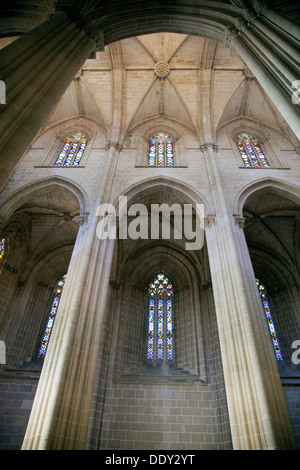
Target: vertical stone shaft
(37, 68)
(61, 412)
(258, 414)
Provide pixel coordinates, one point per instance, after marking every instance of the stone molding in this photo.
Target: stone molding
(204, 147)
(81, 219)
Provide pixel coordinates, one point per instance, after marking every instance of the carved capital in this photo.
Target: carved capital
(115, 145)
(248, 73)
(81, 14)
(240, 221)
(229, 34)
(260, 5)
(81, 219)
(204, 147)
(240, 24)
(209, 221)
(249, 16)
(98, 37)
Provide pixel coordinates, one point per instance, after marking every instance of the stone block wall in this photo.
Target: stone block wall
(17, 391)
(163, 417)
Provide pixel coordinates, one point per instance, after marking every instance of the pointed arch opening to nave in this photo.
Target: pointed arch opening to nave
(271, 209)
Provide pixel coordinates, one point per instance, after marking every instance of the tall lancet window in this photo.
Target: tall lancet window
(251, 152)
(161, 151)
(3, 249)
(160, 348)
(51, 317)
(72, 151)
(264, 297)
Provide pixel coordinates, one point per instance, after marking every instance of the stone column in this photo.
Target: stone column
(258, 413)
(62, 408)
(263, 9)
(37, 68)
(271, 71)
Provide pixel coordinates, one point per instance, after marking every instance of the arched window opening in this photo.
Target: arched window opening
(3, 249)
(161, 152)
(72, 152)
(51, 317)
(251, 152)
(264, 297)
(160, 347)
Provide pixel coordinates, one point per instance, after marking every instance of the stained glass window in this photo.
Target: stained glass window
(251, 152)
(263, 294)
(2, 248)
(51, 317)
(72, 151)
(161, 151)
(160, 347)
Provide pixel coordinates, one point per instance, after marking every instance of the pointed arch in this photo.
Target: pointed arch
(41, 187)
(281, 187)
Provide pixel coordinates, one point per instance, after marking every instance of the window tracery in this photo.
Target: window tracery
(160, 347)
(251, 152)
(72, 151)
(161, 152)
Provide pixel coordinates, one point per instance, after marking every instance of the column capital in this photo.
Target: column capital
(240, 24)
(81, 15)
(238, 220)
(208, 145)
(229, 34)
(116, 145)
(81, 219)
(209, 221)
(260, 5)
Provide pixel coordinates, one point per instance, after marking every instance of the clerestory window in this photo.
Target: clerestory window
(160, 341)
(72, 152)
(251, 152)
(161, 152)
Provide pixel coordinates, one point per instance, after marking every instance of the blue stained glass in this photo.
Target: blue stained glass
(160, 153)
(251, 153)
(2, 248)
(260, 155)
(265, 302)
(160, 320)
(51, 318)
(63, 153)
(71, 153)
(244, 154)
